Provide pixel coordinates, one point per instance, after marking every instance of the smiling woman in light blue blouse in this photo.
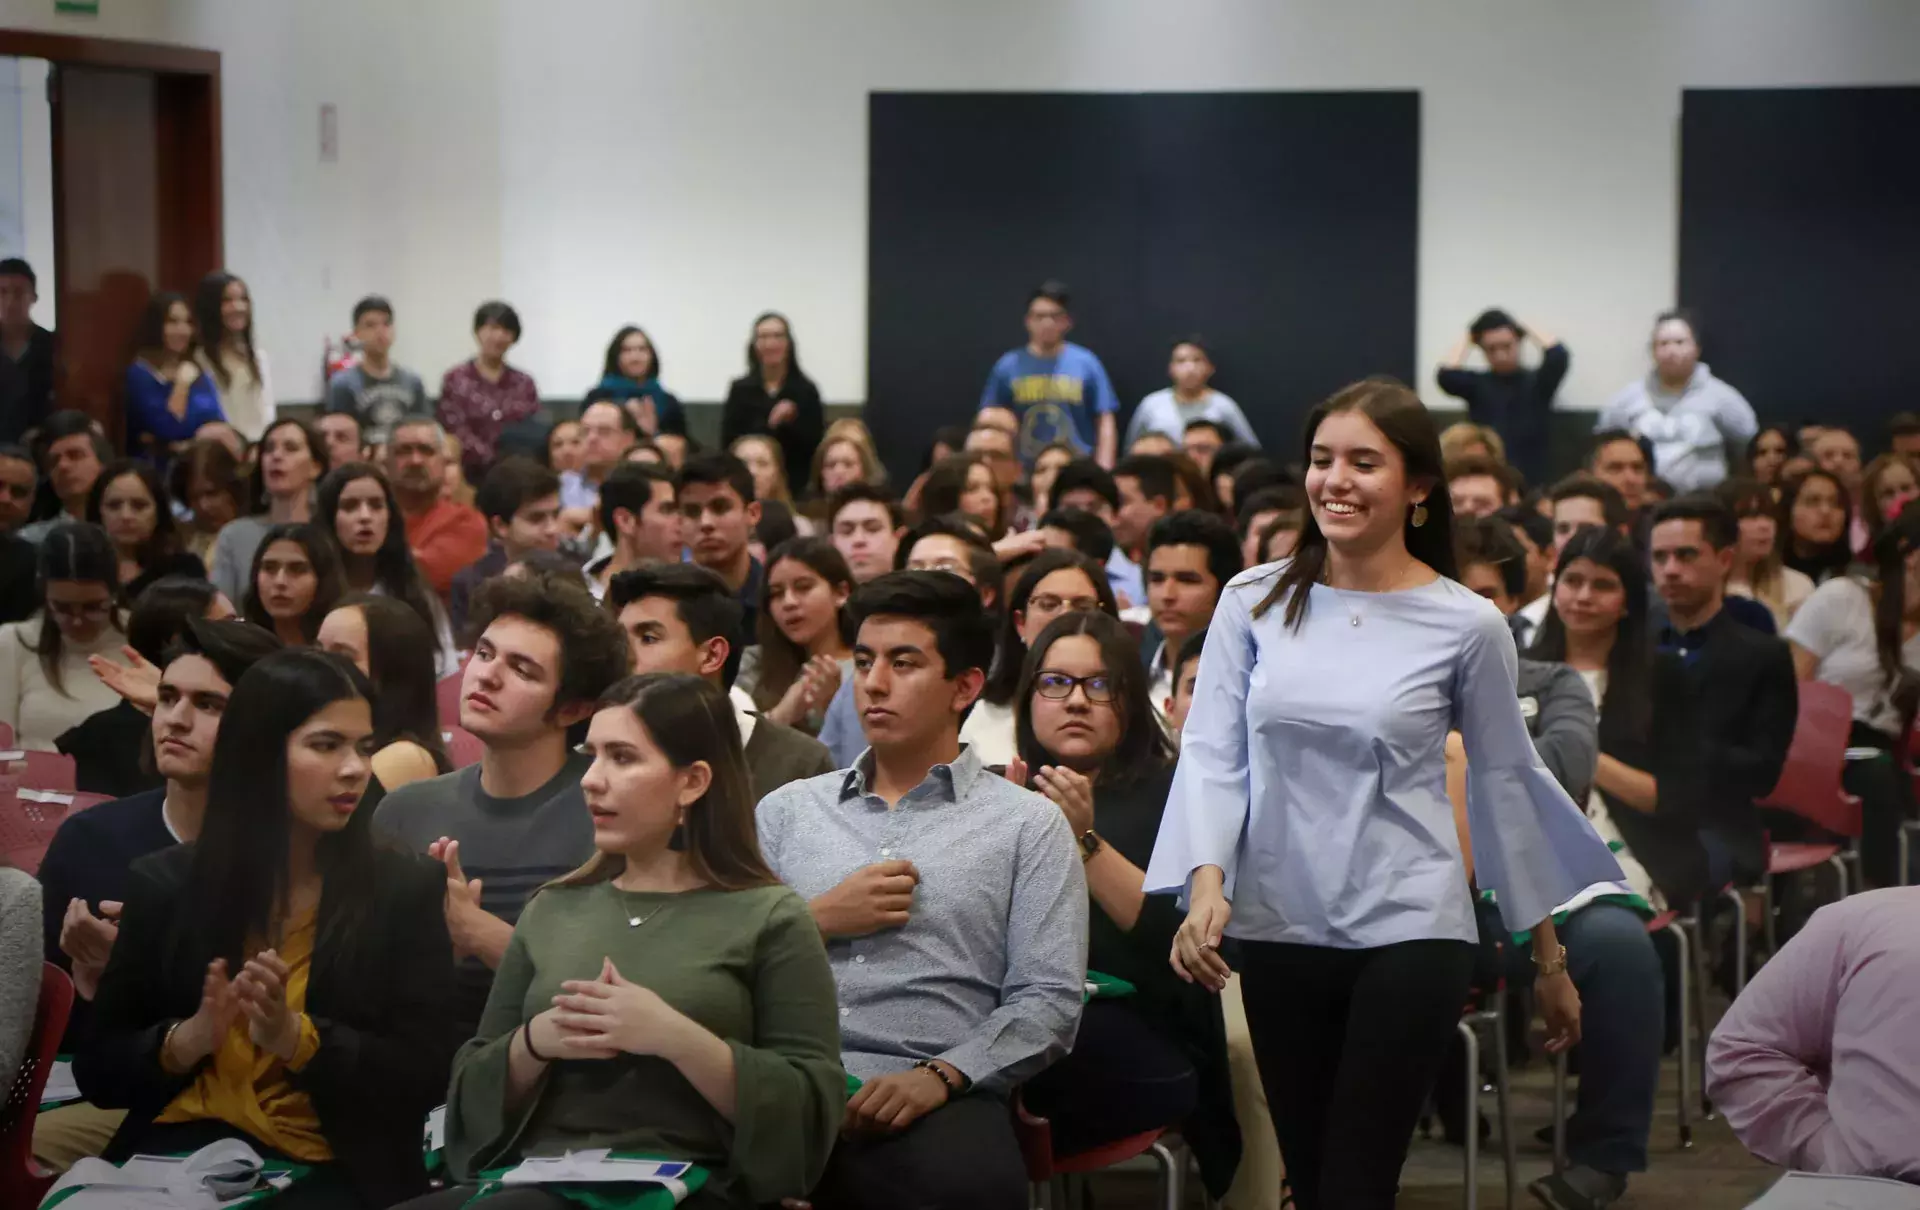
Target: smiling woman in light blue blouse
(1309, 818)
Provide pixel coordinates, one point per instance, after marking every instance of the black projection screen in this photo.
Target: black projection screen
(1283, 227)
(1800, 248)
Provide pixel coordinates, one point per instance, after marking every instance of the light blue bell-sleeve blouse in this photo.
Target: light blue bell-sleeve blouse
(1313, 772)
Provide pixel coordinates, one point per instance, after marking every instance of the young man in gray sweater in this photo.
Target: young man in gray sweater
(515, 821)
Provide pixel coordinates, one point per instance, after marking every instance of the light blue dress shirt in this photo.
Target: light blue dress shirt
(1313, 772)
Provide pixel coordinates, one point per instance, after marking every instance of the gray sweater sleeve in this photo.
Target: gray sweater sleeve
(1566, 729)
(20, 958)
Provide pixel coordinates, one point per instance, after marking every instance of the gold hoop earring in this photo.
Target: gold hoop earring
(1419, 515)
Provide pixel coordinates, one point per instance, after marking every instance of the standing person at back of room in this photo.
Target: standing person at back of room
(26, 353)
(1171, 409)
(1057, 389)
(375, 390)
(229, 356)
(516, 820)
(1687, 413)
(775, 397)
(168, 396)
(1511, 398)
(481, 397)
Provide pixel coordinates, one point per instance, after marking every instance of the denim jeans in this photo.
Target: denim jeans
(1622, 1007)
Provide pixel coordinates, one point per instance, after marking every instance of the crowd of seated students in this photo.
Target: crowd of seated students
(1018, 633)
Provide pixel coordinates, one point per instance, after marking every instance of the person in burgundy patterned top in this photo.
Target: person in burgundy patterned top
(479, 398)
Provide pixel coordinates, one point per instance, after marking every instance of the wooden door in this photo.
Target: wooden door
(136, 196)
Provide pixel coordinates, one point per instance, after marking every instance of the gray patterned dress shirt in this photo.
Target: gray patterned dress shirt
(987, 974)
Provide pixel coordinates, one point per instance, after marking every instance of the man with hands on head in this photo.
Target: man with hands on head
(954, 908)
(1508, 397)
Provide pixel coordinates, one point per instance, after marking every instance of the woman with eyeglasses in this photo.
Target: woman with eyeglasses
(1056, 582)
(46, 686)
(1088, 740)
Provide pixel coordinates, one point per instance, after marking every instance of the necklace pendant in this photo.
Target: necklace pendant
(633, 922)
(1356, 619)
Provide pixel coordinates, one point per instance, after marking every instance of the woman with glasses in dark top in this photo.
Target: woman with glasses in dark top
(1157, 1057)
(1056, 582)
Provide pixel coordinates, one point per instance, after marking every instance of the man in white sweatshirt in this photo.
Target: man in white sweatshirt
(1687, 413)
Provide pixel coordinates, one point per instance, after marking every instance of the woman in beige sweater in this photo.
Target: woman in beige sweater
(46, 686)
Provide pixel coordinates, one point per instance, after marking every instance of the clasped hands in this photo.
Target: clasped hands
(606, 1016)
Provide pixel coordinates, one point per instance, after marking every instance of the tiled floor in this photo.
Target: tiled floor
(1716, 1173)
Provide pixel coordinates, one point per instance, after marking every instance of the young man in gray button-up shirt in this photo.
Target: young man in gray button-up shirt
(954, 907)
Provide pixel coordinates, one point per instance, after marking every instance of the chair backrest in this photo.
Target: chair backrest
(463, 747)
(6, 736)
(1809, 783)
(446, 697)
(21, 1184)
(29, 817)
(43, 770)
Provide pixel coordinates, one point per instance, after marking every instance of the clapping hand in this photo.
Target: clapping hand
(88, 940)
(261, 990)
(137, 680)
(612, 1014)
(1071, 792)
(818, 681)
(199, 1035)
(782, 413)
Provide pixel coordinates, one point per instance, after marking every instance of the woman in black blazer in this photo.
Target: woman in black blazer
(775, 398)
(207, 1025)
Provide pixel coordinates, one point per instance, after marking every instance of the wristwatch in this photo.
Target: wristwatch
(1552, 966)
(1089, 844)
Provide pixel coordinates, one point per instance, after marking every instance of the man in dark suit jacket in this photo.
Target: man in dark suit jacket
(680, 617)
(1740, 698)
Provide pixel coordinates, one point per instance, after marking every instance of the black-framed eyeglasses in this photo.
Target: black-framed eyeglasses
(78, 609)
(1058, 687)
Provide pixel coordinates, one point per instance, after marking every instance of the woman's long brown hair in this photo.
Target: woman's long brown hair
(689, 720)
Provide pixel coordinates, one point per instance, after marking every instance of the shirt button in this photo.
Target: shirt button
(886, 852)
(496, 413)
(845, 1011)
(859, 957)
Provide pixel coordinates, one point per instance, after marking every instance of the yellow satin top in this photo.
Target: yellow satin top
(247, 1087)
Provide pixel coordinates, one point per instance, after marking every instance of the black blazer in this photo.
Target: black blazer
(384, 1012)
(748, 406)
(1720, 731)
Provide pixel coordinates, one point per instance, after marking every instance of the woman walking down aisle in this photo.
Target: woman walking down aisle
(1310, 810)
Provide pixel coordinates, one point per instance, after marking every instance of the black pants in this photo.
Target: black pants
(962, 1156)
(1120, 1079)
(1348, 1043)
(1886, 800)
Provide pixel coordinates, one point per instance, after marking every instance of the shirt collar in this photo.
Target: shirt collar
(743, 713)
(1699, 636)
(952, 782)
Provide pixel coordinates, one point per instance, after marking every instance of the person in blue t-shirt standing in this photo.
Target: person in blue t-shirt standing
(1059, 391)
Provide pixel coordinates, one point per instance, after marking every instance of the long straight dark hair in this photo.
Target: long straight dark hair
(1626, 714)
(73, 550)
(238, 889)
(689, 720)
(1898, 540)
(401, 653)
(1398, 413)
(1143, 749)
(1829, 559)
(793, 348)
(164, 541)
(207, 298)
(612, 367)
(327, 585)
(1003, 683)
(780, 657)
(394, 571)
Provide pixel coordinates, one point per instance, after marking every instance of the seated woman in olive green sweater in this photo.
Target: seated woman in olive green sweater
(671, 998)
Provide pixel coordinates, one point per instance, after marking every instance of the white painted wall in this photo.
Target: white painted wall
(688, 165)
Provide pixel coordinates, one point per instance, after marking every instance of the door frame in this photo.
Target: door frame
(161, 59)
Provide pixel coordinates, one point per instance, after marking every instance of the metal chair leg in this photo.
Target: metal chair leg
(1739, 935)
(1560, 1111)
(1840, 873)
(1907, 829)
(1471, 1041)
(1505, 1103)
(1172, 1169)
(1768, 920)
(1684, 945)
